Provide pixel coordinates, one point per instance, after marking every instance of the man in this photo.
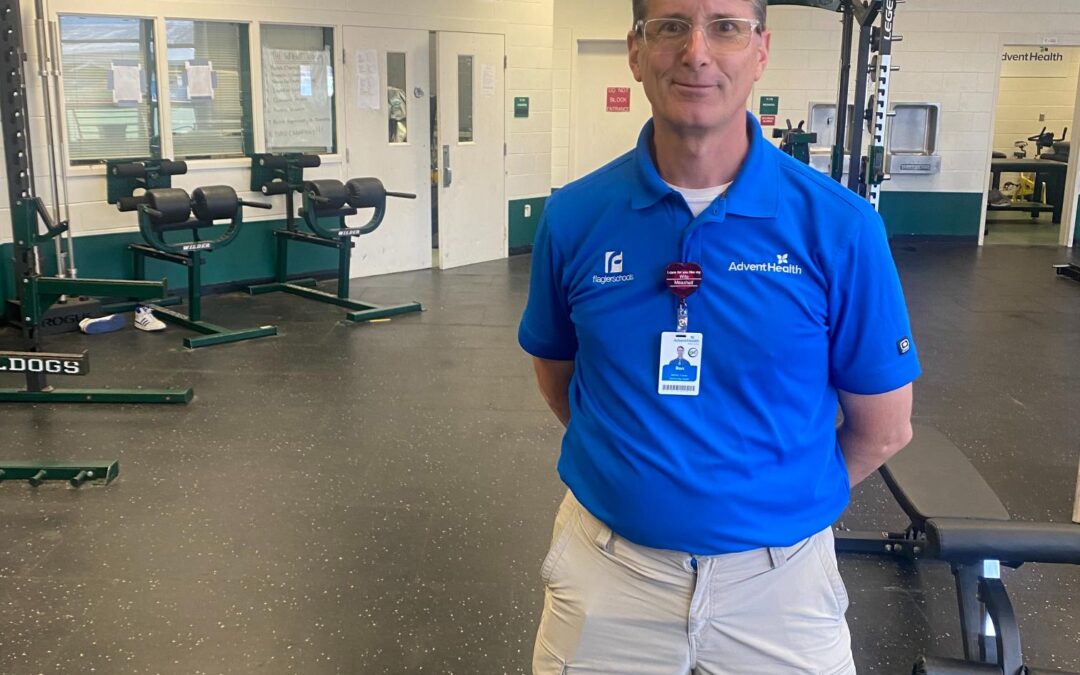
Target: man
(695, 536)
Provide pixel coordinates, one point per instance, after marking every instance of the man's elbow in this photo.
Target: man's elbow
(894, 439)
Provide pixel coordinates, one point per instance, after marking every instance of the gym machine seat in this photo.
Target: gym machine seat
(165, 210)
(323, 200)
(955, 517)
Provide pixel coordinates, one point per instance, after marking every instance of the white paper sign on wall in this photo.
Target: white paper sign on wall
(297, 88)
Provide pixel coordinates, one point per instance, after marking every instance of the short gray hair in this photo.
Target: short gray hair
(641, 7)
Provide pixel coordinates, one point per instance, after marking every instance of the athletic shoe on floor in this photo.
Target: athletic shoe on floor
(145, 320)
(102, 324)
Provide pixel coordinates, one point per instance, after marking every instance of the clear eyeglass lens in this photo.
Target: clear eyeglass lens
(720, 34)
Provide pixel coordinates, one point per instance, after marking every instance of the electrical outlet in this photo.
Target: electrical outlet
(1042, 117)
(528, 210)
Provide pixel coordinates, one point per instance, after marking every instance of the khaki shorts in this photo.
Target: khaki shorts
(614, 607)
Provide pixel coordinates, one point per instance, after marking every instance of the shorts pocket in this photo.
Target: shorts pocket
(826, 549)
(559, 540)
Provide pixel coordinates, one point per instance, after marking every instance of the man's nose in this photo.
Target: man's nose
(697, 46)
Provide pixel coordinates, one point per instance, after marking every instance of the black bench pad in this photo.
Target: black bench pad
(931, 478)
(970, 540)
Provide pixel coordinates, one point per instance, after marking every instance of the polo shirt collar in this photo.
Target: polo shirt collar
(754, 193)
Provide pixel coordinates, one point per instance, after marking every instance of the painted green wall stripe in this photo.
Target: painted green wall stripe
(932, 213)
(522, 229)
(249, 257)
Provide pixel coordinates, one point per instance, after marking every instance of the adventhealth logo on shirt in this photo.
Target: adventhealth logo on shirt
(613, 270)
(781, 266)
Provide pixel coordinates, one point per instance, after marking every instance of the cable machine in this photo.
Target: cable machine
(35, 291)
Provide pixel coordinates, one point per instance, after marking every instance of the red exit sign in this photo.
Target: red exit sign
(618, 99)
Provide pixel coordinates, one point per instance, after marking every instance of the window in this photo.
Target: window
(209, 89)
(398, 104)
(298, 89)
(110, 88)
(465, 98)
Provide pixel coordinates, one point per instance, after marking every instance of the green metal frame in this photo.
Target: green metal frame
(35, 292)
(101, 472)
(159, 249)
(340, 239)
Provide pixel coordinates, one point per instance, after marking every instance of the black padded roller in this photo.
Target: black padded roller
(282, 161)
(130, 170)
(332, 193)
(273, 162)
(173, 204)
(277, 187)
(171, 168)
(366, 193)
(214, 202)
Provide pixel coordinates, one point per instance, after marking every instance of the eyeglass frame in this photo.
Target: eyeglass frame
(755, 27)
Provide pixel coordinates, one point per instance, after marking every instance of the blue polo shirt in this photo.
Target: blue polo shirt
(799, 298)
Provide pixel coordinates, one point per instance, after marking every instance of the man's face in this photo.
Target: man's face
(679, 351)
(698, 89)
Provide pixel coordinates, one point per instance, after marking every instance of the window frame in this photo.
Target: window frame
(334, 33)
(256, 143)
(156, 144)
(247, 122)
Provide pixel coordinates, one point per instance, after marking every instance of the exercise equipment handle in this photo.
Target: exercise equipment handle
(132, 170)
(171, 168)
(257, 205)
(277, 187)
(130, 203)
(153, 212)
(402, 195)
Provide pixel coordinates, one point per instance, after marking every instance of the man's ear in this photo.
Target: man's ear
(763, 55)
(633, 53)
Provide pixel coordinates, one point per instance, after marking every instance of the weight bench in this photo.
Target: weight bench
(957, 518)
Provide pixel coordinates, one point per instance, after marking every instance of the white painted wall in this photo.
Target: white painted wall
(526, 25)
(950, 55)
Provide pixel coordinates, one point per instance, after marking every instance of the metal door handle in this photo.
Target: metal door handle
(447, 174)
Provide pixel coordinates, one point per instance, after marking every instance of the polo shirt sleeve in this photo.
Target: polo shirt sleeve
(871, 350)
(546, 330)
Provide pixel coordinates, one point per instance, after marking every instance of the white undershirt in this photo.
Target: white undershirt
(698, 199)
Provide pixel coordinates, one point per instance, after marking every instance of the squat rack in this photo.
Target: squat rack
(35, 291)
(866, 172)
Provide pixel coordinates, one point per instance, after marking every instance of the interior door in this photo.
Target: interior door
(609, 106)
(388, 136)
(471, 132)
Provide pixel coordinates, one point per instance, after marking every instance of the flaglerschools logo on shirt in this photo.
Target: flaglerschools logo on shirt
(781, 266)
(613, 270)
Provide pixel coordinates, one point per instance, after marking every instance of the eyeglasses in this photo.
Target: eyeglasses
(722, 36)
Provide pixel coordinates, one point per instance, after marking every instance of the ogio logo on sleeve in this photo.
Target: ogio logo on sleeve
(904, 346)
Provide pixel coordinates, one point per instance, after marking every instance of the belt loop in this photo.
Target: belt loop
(777, 557)
(605, 538)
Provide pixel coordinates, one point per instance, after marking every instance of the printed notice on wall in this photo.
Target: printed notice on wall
(1035, 62)
(368, 86)
(298, 86)
(200, 79)
(618, 99)
(487, 79)
(127, 83)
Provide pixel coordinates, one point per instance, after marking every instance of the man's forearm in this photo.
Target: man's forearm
(865, 453)
(553, 378)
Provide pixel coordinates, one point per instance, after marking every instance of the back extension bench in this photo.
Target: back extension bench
(956, 518)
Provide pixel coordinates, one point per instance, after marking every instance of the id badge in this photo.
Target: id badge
(680, 364)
